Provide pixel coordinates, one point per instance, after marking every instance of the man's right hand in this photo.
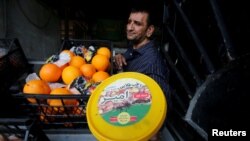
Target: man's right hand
(120, 61)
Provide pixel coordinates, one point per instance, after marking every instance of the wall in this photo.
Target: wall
(2, 18)
(34, 24)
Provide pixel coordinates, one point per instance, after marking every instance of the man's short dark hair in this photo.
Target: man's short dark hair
(149, 6)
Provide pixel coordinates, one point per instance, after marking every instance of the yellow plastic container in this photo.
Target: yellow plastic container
(128, 106)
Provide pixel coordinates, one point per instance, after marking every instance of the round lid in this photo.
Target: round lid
(126, 106)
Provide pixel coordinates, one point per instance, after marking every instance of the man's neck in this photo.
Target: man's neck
(141, 44)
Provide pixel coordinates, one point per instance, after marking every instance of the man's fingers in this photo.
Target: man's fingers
(120, 60)
(124, 61)
(117, 60)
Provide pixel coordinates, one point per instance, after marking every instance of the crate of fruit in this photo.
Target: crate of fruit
(57, 93)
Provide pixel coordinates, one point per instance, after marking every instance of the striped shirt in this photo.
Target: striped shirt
(148, 60)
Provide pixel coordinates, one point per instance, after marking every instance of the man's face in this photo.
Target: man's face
(137, 27)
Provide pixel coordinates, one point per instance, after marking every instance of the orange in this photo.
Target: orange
(88, 70)
(100, 76)
(100, 62)
(79, 111)
(77, 61)
(45, 113)
(60, 91)
(70, 73)
(104, 51)
(60, 102)
(36, 87)
(50, 72)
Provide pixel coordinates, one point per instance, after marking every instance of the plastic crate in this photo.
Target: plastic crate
(65, 116)
(51, 117)
(23, 129)
(47, 116)
(13, 62)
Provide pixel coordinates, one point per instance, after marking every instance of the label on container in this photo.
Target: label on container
(124, 102)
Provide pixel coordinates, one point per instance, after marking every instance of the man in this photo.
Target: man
(142, 55)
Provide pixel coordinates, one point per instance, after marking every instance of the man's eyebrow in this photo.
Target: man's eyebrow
(135, 21)
(138, 22)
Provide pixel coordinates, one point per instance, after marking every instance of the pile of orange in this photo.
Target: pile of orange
(101, 61)
(75, 66)
(94, 71)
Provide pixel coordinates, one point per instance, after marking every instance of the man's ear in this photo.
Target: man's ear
(150, 31)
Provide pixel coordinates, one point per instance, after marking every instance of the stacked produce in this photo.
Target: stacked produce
(76, 71)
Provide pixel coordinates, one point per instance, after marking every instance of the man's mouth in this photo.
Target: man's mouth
(130, 34)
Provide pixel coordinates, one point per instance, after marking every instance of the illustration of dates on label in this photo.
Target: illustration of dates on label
(124, 102)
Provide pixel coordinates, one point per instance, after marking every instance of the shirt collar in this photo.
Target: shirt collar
(144, 48)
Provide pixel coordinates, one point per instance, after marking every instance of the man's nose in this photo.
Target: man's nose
(130, 26)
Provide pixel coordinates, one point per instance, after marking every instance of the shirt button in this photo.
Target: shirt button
(131, 54)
